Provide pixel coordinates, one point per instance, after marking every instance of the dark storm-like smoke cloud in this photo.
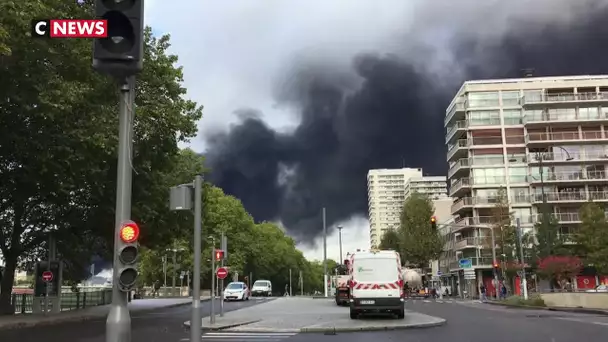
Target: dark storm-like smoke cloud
(395, 117)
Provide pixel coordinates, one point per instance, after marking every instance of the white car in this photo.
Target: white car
(599, 288)
(262, 288)
(236, 291)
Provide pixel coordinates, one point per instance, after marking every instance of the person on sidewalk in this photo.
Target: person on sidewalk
(482, 291)
(286, 290)
(503, 291)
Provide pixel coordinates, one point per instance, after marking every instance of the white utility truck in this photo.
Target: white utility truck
(376, 283)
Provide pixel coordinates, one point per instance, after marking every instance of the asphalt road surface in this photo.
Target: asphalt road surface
(163, 325)
(474, 322)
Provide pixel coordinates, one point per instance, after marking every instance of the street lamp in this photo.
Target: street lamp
(340, 242)
(174, 250)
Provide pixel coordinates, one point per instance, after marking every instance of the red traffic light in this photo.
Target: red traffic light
(129, 232)
(495, 265)
(219, 254)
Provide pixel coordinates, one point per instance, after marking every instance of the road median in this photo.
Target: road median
(550, 308)
(306, 315)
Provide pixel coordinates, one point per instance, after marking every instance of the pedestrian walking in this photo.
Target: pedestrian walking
(286, 290)
(482, 291)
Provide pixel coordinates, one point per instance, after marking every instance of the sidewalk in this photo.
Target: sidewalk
(300, 315)
(551, 308)
(136, 306)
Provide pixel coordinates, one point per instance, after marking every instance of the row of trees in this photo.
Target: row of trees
(548, 252)
(58, 143)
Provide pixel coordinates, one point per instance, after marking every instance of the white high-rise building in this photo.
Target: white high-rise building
(385, 197)
(435, 187)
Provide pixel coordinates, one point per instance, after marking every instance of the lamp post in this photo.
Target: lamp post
(340, 242)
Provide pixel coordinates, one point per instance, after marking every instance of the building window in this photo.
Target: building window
(512, 117)
(483, 99)
(533, 95)
(510, 98)
(484, 118)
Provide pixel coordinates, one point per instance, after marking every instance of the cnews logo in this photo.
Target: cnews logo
(70, 28)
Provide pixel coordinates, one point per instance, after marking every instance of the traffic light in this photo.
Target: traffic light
(121, 53)
(433, 222)
(128, 253)
(219, 254)
(496, 266)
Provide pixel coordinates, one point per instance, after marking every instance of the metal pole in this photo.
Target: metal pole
(196, 320)
(290, 293)
(545, 205)
(494, 262)
(524, 282)
(223, 245)
(174, 271)
(340, 242)
(118, 324)
(324, 253)
(165, 272)
(301, 285)
(212, 315)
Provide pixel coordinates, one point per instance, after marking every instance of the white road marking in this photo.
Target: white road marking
(243, 336)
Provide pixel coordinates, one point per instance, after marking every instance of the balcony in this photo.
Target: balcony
(572, 197)
(460, 146)
(457, 108)
(463, 185)
(577, 177)
(472, 242)
(554, 119)
(472, 222)
(563, 218)
(599, 157)
(461, 164)
(470, 202)
(556, 138)
(460, 185)
(488, 161)
(456, 130)
(565, 99)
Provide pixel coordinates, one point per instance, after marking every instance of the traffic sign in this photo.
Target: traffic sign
(439, 273)
(222, 273)
(47, 276)
(464, 263)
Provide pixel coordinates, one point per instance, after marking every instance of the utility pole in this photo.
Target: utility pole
(165, 272)
(196, 320)
(494, 262)
(174, 271)
(524, 281)
(290, 293)
(212, 315)
(324, 253)
(301, 280)
(223, 247)
(340, 242)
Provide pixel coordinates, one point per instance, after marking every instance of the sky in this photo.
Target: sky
(279, 64)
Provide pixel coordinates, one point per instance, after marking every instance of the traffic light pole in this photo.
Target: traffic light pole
(118, 324)
(224, 246)
(196, 320)
(494, 261)
(213, 293)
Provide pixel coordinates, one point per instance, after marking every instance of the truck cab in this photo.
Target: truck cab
(340, 280)
(376, 284)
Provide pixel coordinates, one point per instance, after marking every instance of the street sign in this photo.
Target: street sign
(221, 273)
(439, 273)
(469, 274)
(464, 263)
(47, 276)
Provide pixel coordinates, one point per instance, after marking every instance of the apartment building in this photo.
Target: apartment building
(503, 133)
(435, 187)
(385, 196)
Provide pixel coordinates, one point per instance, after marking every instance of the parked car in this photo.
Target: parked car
(599, 288)
(236, 291)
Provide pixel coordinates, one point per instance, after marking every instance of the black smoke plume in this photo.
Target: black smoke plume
(394, 118)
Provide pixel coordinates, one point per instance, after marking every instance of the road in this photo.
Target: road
(163, 325)
(467, 322)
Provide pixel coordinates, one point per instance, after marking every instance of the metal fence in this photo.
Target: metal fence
(23, 303)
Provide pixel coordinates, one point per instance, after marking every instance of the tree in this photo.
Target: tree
(592, 236)
(61, 179)
(560, 268)
(418, 242)
(505, 234)
(390, 240)
(548, 240)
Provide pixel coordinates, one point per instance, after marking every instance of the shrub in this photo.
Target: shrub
(533, 300)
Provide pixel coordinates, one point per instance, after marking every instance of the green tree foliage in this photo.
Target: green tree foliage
(418, 242)
(58, 141)
(390, 240)
(548, 240)
(592, 236)
(505, 233)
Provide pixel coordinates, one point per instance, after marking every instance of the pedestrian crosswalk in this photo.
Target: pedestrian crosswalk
(230, 336)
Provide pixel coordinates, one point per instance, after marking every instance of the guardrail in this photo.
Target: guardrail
(23, 303)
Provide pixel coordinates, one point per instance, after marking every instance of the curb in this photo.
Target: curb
(573, 310)
(82, 318)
